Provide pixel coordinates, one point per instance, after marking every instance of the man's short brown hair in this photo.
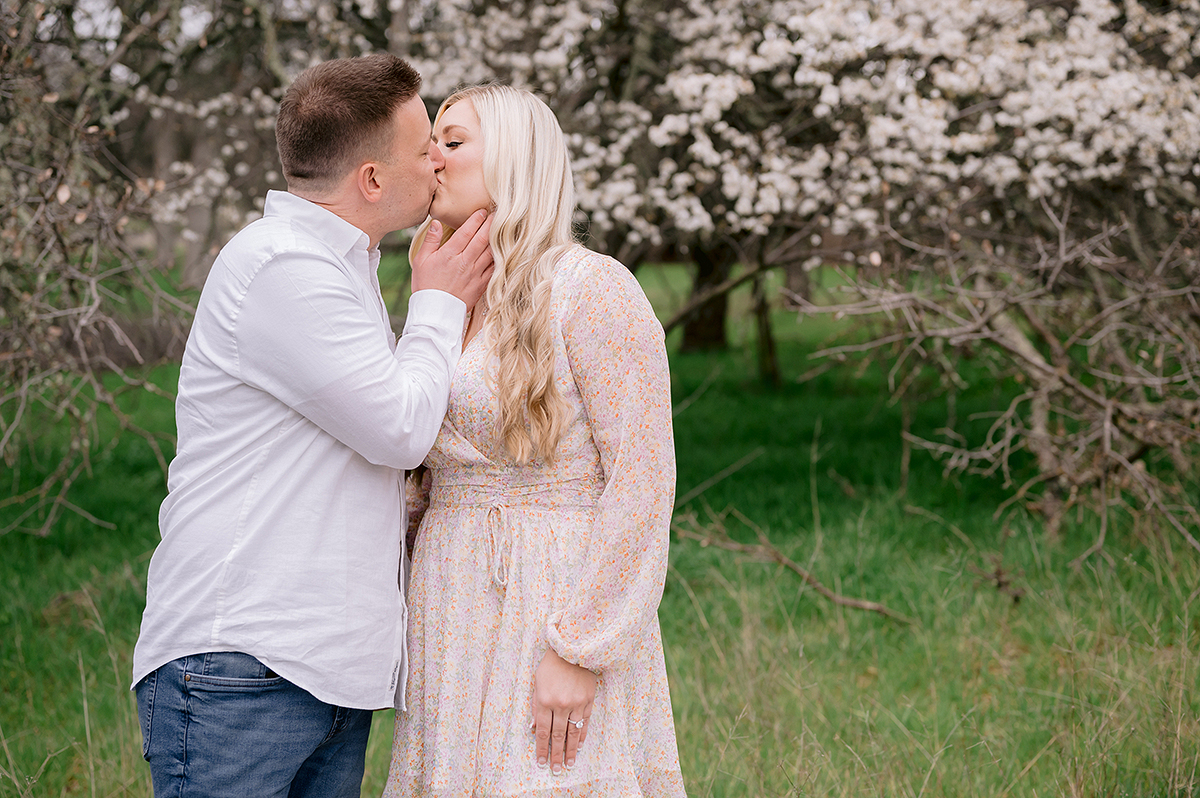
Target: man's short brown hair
(336, 115)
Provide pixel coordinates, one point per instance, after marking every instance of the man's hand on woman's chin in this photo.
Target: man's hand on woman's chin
(462, 265)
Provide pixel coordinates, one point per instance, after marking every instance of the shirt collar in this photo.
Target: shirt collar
(339, 234)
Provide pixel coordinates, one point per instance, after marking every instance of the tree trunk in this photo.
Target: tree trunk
(796, 283)
(398, 34)
(165, 148)
(200, 248)
(704, 330)
(768, 359)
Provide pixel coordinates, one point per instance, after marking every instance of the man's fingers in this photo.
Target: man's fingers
(466, 238)
(473, 223)
(457, 266)
(486, 260)
(479, 249)
(474, 245)
(431, 244)
(485, 277)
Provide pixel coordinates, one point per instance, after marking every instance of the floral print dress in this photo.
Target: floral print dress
(511, 559)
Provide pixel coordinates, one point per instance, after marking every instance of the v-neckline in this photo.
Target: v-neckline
(468, 341)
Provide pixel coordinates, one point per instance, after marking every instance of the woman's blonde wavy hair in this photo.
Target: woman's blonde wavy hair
(527, 173)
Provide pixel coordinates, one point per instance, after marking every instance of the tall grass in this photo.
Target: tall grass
(70, 606)
(1020, 677)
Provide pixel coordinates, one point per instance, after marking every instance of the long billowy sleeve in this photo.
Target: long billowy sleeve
(616, 350)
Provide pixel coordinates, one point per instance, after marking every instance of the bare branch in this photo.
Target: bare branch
(767, 551)
(1107, 347)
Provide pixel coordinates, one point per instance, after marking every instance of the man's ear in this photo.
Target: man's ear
(367, 182)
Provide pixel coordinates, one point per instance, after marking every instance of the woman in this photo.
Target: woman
(537, 665)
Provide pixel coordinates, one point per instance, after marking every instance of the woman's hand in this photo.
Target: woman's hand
(562, 697)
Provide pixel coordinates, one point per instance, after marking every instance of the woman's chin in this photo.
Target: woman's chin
(450, 218)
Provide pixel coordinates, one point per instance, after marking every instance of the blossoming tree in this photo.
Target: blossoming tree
(1001, 178)
(1009, 180)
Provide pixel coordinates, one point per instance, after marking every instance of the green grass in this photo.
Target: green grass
(1046, 681)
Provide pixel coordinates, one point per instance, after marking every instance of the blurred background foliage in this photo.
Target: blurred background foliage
(930, 287)
(1007, 182)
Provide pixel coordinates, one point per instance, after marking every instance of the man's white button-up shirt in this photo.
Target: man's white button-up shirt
(297, 409)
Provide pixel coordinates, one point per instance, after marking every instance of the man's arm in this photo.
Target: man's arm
(304, 336)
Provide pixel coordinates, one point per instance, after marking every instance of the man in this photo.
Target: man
(274, 620)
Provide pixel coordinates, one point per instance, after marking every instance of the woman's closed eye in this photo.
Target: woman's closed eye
(452, 144)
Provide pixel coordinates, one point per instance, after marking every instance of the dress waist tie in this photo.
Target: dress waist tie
(500, 532)
(501, 497)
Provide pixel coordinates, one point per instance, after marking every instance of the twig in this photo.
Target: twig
(765, 550)
(932, 516)
(1152, 497)
(1029, 765)
(705, 296)
(11, 774)
(717, 649)
(715, 478)
(696, 394)
(813, 457)
(87, 727)
(814, 372)
(1099, 544)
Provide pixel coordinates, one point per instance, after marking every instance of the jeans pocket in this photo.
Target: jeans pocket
(225, 684)
(228, 671)
(145, 704)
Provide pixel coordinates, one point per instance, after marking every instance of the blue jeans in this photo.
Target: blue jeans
(221, 724)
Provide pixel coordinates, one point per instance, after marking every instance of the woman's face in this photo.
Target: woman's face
(460, 190)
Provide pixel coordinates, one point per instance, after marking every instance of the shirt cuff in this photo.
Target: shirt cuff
(436, 309)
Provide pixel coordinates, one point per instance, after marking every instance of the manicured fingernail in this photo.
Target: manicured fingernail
(571, 764)
(542, 764)
(557, 769)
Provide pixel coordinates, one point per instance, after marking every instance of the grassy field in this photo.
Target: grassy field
(1018, 677)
